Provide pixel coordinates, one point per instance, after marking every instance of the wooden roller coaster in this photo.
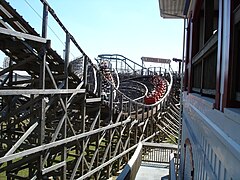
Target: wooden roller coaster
(75, 120)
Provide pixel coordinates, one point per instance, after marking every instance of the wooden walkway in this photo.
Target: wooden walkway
(155, 161)
(153, 171)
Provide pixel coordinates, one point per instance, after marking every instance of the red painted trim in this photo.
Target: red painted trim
(227, 76)
(230, 101)
(194, 48)
(219, 56)
(188, 40)
(189, 66)
(187, 54)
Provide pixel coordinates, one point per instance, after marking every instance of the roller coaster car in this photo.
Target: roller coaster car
(150, 99)
(156, 80)
(104, 64)
(158, 92)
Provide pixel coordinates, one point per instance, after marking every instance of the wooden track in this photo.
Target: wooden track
(52, 124)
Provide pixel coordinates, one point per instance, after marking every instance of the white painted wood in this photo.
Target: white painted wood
(214, 138)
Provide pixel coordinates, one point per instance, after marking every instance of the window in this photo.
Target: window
(235, 90)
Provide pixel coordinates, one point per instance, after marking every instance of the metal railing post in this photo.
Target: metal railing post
(181, 102)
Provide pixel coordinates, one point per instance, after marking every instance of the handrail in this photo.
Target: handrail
(131, 168)
(172, 172)
(152, 151)
(54, 15)
(111, 56)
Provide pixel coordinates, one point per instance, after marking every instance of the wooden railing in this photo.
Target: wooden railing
(150, 152)
(130, 170)
(172, 169)
(157, 152)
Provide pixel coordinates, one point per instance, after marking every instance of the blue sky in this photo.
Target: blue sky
(132, 28)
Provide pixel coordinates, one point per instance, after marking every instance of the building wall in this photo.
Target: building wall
(210, 141)
(210, 144)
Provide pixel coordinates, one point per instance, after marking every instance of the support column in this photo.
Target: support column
(110, 131)
(42, 86)
(225, 71)
(97, 147)
(219, 55)
(83, 110)
(64, 128)
(9, 121)
(136, 126)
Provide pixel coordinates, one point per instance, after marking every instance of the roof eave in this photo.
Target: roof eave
(174, 9)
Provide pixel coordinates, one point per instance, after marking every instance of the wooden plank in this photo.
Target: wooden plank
(21, 35)
(53, 167)
(62, 141)
(92, 100)
(20, 141)
(160, 145)
(39, 91)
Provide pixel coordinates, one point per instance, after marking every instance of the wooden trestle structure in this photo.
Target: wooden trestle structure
(53, 125)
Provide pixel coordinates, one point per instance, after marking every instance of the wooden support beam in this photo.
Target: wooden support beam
(22, 36)
(53, 167)
(40, 91)
(20, 141)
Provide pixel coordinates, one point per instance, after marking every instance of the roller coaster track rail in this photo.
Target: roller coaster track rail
(56, 123)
